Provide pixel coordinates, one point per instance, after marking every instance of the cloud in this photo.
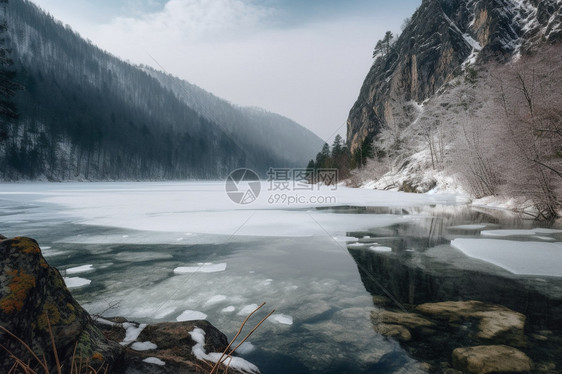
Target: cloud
(310, 71)
(192, 20)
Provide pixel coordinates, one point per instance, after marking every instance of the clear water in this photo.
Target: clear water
(314, 279)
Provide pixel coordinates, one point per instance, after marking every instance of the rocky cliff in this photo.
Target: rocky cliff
(441, 40)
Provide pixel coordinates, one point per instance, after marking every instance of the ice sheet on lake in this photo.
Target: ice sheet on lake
(228, 309)
(528, 258)
(477, 226)
(204, 208)
(201, 268)
(76, 282)
(530, 232)
(80, 269)
(191, 315)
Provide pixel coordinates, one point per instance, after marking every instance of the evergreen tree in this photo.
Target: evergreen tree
(387, 41)
(8, 86)
(379, 49)
(337, 147)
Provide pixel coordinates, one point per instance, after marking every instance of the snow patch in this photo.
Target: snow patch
(143, 346)
(154, 361)
(237, 363)
(246, 348)
(228, 309)
(132, 331)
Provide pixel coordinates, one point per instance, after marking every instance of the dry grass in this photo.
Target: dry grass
(79, 365)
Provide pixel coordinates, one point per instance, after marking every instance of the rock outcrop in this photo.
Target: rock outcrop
(36, 309)
(441, 38)
(35, 305)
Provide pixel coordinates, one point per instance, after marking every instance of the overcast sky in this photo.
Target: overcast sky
(305, 59)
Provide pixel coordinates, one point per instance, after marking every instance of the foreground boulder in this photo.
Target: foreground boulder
(35, 305)
(37, 309)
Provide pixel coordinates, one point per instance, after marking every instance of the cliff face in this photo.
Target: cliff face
(442, 37)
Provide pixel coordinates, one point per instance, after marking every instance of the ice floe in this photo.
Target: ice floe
(201, 268)
(76, 282)
(247, 309)
(215, 300)
(80, 269)
(282, 319)
(246, 348)
(228, 309)
(191, 315)
(528, 258)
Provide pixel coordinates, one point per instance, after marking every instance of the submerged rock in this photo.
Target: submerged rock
(497, 322)
(491, 359)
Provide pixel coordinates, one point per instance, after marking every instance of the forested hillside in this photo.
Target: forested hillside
(84, 114)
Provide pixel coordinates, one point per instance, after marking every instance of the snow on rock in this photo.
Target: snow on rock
(132, 332)
(76, 282)
(237, 363)
(143, 346)
(191, 315)
(282, 319)
(528, 258)
(201, 268)
(154, 361)
(80, 269)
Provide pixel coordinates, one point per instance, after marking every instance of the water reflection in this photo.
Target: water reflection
(422, 267)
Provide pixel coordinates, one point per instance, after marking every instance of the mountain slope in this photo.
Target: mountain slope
(442, 37)
(85, 114)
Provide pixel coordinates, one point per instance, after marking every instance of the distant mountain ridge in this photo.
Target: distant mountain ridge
(85, 114)
(442, 37)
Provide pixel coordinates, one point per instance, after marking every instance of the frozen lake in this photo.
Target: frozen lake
(155, 252)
